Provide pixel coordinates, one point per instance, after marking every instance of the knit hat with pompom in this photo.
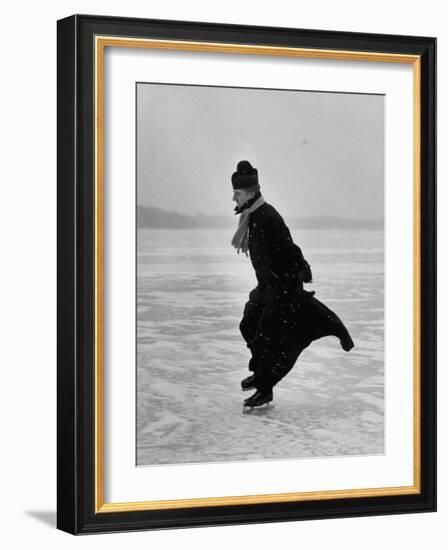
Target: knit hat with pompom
(245, 177)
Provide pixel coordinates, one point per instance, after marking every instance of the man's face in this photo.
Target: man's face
(240, 196)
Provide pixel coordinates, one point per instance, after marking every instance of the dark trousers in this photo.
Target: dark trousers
(274, 328)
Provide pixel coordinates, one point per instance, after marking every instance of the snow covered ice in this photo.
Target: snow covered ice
(191, 291)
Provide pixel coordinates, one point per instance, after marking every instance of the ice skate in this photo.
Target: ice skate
(258, 399)
(248, 383)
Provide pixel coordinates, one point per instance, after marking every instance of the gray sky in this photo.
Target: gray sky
(317, 154)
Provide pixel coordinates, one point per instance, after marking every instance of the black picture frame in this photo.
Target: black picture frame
(77, 475)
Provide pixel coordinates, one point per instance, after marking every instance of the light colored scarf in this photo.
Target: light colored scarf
(241, 238)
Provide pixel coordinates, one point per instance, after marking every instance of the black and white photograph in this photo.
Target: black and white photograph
(222, 240)
(259, 274)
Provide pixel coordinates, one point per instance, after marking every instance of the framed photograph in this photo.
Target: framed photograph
(246, 274)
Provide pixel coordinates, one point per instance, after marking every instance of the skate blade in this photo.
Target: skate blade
(252, 408)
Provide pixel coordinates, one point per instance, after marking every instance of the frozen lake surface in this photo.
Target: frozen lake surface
(191, 291)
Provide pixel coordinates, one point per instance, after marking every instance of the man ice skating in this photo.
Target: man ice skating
(280, 319)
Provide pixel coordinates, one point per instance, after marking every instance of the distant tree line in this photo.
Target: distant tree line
(157, 218)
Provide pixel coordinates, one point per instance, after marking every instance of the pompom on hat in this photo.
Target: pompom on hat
(245, 177)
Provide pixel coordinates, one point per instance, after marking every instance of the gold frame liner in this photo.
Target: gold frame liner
(101, 42)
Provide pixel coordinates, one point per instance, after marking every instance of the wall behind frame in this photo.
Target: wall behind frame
(28, 275)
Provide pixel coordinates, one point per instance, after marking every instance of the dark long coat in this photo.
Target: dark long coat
(280, 319)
